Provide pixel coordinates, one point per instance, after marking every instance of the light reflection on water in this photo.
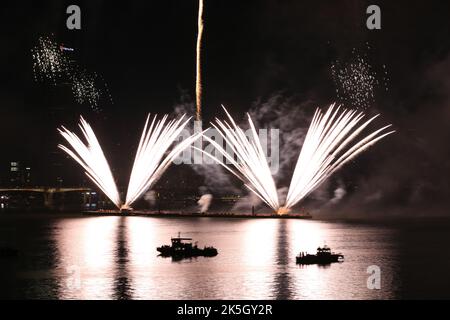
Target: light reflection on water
(116, 258)
(87, 245)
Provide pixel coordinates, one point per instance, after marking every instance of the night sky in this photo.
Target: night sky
(252, 51)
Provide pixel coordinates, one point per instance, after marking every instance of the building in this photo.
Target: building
(19, 175)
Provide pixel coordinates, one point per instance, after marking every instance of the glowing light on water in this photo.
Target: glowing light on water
(328, 145)
(150, 162)
(198, 82)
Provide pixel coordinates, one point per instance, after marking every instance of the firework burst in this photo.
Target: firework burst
(153, 157)
(49, 62)
(84, 89)
(251, 165)
(151, 160)
(329, 144)
(91, 157)
(357, 80)
(52, 63)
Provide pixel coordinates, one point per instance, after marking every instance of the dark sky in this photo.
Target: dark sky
(144, 50)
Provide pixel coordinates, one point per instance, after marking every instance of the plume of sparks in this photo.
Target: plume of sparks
(52, 63)
(198, 82)
(91, 157)
(49, 62)
(85, 90)
(152, 158)
(357, 80)
(150, 161)
(251, 165)
(329, 144)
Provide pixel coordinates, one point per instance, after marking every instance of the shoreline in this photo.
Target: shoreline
(140, 213)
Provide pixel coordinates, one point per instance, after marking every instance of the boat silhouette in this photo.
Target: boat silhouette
(322, 257)
(183, 248)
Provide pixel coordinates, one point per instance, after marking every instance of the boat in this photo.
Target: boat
(183, 248)
(322, 257)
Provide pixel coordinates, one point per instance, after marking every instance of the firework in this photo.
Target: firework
(49, 62)
(251, 165)
(328, 145)
(85, 90)
(150, 163)
(198, 82)
(357, 80)
(92, 159)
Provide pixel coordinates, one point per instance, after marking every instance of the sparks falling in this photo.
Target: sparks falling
(357, 80)
(150, 162)
(85, 90)
(49, 62)
(329, 144)
(198, 82)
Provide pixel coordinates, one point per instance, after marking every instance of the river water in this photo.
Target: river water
(80, 257)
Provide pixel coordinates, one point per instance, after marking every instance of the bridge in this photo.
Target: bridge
(44, 189)
(48, 192)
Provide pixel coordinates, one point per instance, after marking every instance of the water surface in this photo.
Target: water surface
(79, 257)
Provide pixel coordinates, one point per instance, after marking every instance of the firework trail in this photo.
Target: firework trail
(150, 163)
(327, 147)
(198, 82)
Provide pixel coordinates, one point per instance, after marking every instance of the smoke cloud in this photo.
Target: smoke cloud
(214, 176)
(150, 197)
(405, 175)
(408, 174)
(204, 202)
